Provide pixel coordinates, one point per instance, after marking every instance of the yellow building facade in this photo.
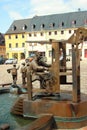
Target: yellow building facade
(56, 26)
(15, 45)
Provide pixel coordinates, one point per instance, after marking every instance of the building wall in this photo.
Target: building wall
(2, 51)
(35, 36)
(55, 26)
(15, 49)
(60, 34)
(49, 34)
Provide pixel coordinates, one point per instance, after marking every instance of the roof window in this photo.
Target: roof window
(13, 28)
(33, 26)
(62, 24)
(85, 22)
(42, 26)
(74, 22)
(52, 25)
(24, 27)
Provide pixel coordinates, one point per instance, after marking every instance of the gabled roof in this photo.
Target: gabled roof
(49, 22)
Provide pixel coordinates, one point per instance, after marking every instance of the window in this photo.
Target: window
(85, 22)
(50, 53)
(62, 32)
(74, 31)
(52, 25)
(35, 34)
(22, 35)
(23, 44)
(30, 44)
(16, 45)
(42, 26)
(24, 27)
(35, 44)
(49, 33)
(13, 28)
(41, 33)
(16, 36)
(69, 31)
(9, 36)
(33, 26)
(55, 32)
(70, 52)
(30, 35)
(62, 24)
(10, 45)
(73, 22)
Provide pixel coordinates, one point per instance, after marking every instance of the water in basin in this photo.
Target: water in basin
(6, 102)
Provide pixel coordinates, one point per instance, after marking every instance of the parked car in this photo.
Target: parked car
(11, 61)
(2, 60)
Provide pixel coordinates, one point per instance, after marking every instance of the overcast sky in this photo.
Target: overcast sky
(21, 9)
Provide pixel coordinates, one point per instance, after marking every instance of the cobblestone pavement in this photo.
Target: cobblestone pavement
(5, 77)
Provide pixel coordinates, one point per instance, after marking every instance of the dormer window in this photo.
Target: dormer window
(52, 25)
(85, 22)
(13, 28)
(62, 24)
(24, 27)
(74, 22)
(33, 26)
(42, 26)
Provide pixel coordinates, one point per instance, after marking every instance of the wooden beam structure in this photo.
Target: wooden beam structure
(76, 73)
(29, 85)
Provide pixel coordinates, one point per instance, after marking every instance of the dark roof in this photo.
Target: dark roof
(49, 22)
(2, 39)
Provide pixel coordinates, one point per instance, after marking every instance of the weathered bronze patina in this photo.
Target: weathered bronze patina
(69, 109)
